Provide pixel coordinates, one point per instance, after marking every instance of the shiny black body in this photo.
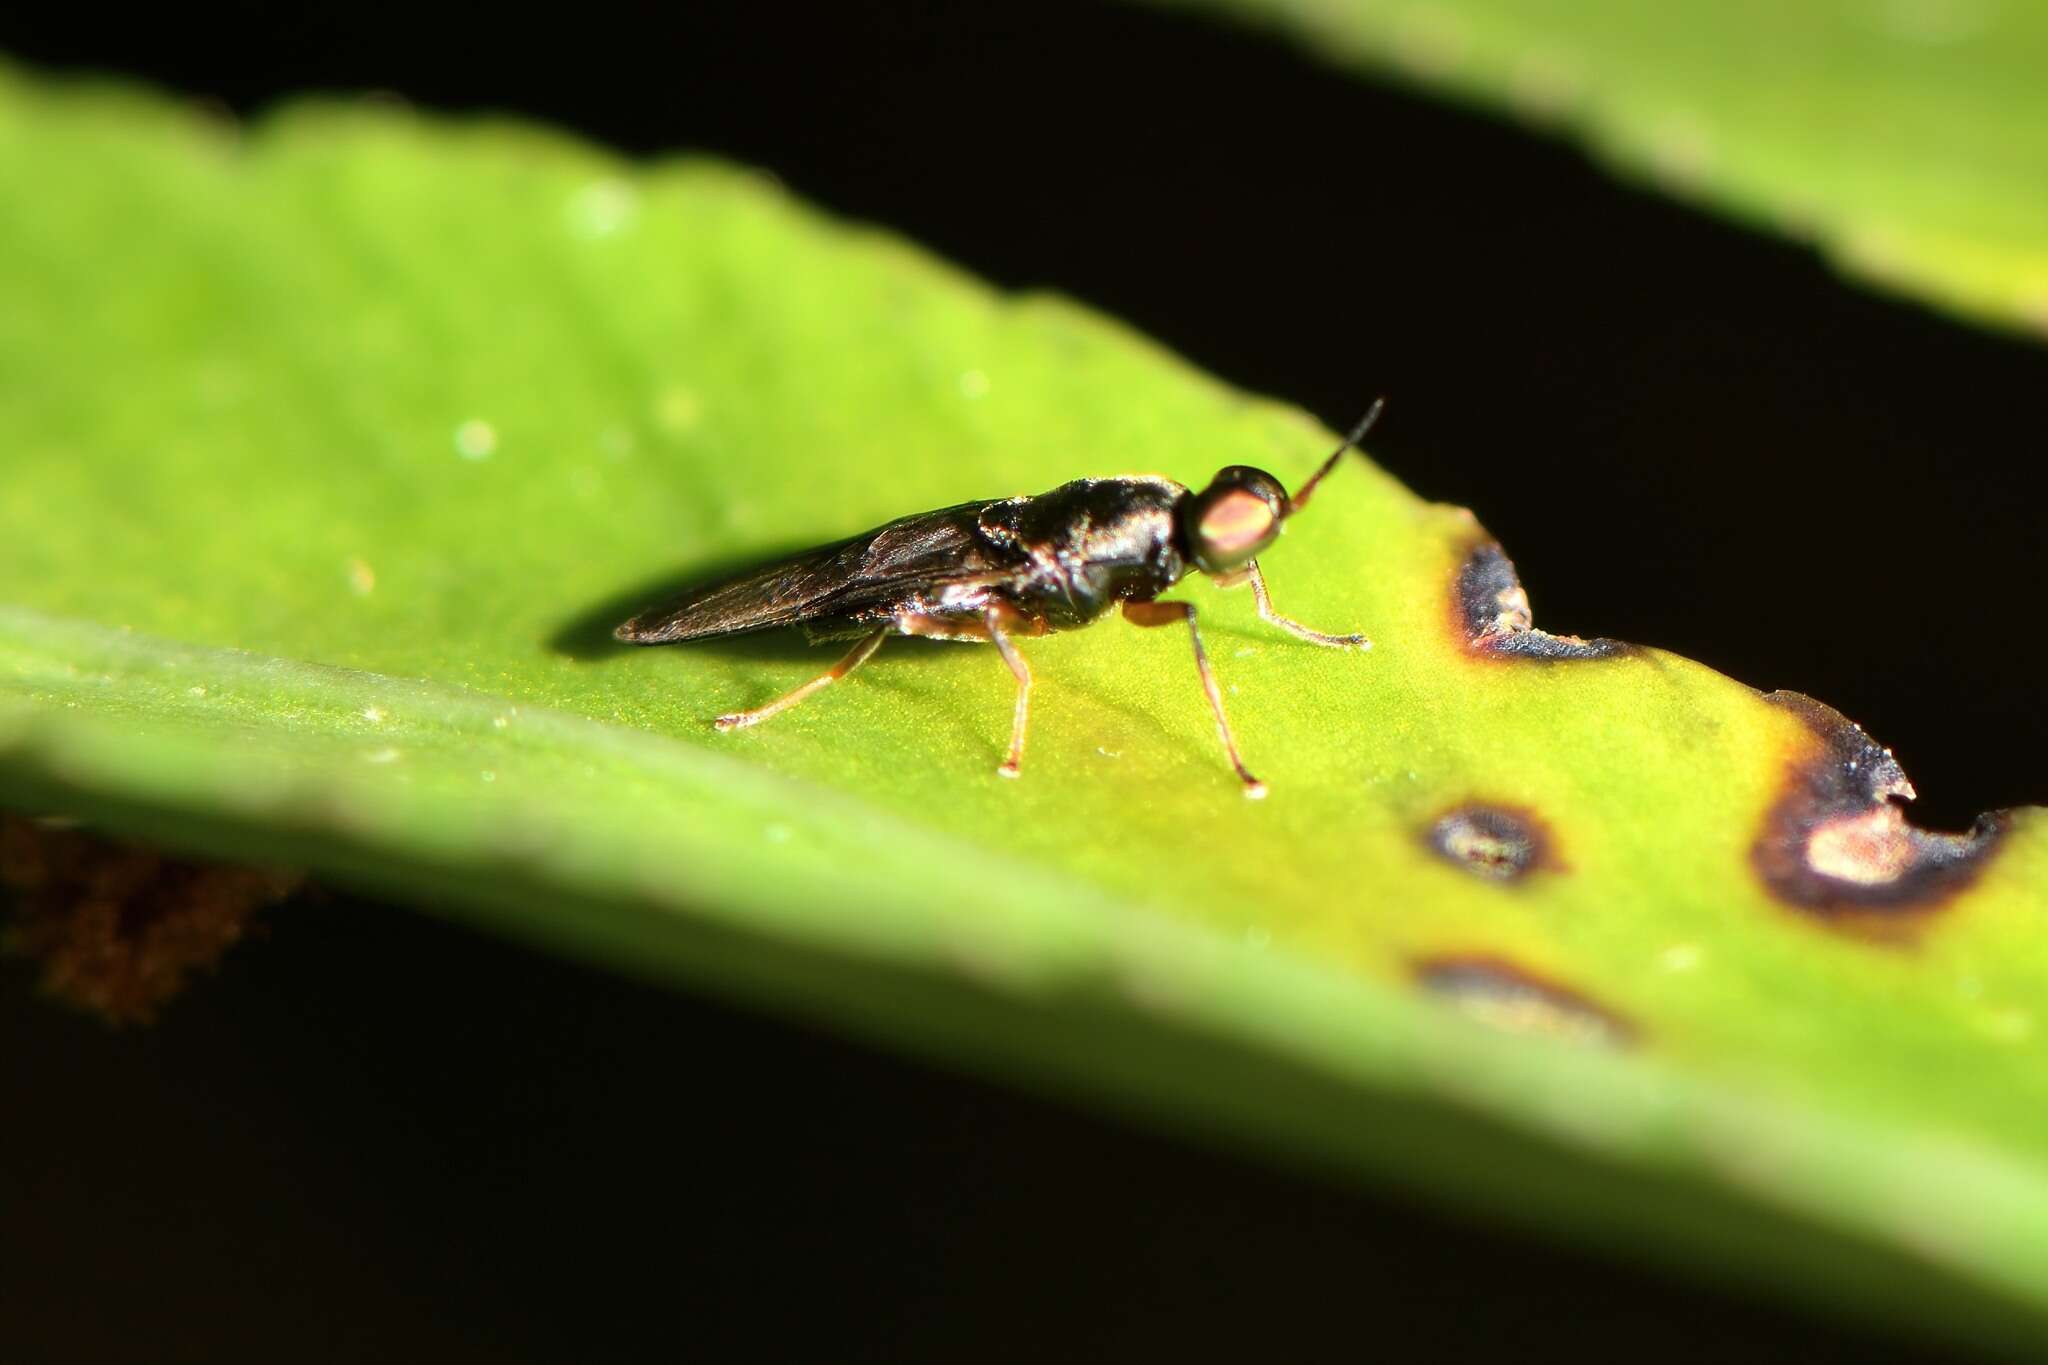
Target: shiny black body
(1055, 561)
(989, 571)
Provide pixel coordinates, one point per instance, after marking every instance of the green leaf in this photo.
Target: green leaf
(1907, 139)
(336, 445)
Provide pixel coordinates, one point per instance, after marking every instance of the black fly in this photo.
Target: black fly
(987, 571)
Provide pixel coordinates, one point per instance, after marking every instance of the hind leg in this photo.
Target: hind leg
(1021, 717)
(855, 657)
(996, 624)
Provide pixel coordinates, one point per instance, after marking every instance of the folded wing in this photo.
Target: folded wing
(866, 573)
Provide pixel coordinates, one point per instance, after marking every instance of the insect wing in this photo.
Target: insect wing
(869, 572)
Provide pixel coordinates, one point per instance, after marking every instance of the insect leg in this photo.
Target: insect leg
(855, 657)
(1013, 764)
(1250, 574)
(1166, 614)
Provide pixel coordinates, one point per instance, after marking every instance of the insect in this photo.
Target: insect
(988, 572)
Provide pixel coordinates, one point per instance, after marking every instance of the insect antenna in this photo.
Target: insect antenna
(1300, 500)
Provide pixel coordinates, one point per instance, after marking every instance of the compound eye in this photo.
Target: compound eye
(1236, 525)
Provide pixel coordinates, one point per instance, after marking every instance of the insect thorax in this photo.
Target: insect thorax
(1089, 545)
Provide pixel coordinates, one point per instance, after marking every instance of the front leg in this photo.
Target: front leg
(1250, 574)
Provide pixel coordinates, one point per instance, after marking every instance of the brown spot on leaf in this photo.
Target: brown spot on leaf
(1497, 992)
(120, 928)
(1498, 843)
(1490, 611)
(1837, 845)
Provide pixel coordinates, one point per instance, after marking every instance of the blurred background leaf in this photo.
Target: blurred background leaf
(1907, 138)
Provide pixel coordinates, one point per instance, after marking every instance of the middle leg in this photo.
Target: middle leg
(1170, 613)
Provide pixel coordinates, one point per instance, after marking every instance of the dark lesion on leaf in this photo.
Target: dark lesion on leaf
(1494, 842)
(1836, 844)
(1500, 993)
(1490, 612)
(119, 929)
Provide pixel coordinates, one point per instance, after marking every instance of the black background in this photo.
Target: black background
(1686, 435)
